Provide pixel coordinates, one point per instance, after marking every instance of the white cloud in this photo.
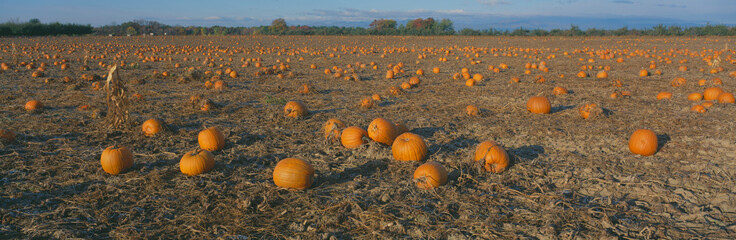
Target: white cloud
(210, 18)
(492, 2)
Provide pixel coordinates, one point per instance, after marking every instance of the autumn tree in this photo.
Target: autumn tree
(279, 26)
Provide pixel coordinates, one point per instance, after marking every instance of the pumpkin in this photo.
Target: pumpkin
(707, 104)
(409, 147)
(293, 173)
(7, 136)
(678, 81)
(538, 104)
(401, 127)
(436, 70)
(405, 85)
(515, 80)
(234, 74)
(152, 126)
(376, 97)
(196, 162)
(472, 110)
(115, 159)
(589, 110)
(601, 74)
(33, 106)
(643, 142)
(353, 137)
(382, 131)
(295, 109)
(366, 102)
(420, 72)
(390, 74)
(698, 109)
(695, 97)
(582, 74)
(494, 157)
(664, 95)
(682, 68)
(559, 91)
(430, 175)
(219, 85)
(414, 81)
(643, 73)
(712, 93)
(332, 129)
(477, 77)
(470, 82)
(211, 139)
(726, 97)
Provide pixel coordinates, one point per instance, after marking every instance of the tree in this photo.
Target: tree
(131, 31)
(279, 26)
(383, 24)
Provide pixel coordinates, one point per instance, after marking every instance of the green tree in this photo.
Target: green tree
(279, 26)
(131, 31)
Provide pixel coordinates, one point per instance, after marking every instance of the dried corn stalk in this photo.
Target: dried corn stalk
(117, 100)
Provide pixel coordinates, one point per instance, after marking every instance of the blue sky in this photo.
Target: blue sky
(478, 14)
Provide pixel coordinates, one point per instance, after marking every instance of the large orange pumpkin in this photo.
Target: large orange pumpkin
(712, 93)
(196, 162)
(115, 159)
(643, 142)
(539, 105)
(494, 157)
(293, 173)
(295, 109)
(409, 147)
(430, 175)
(382, 131)
(152, 126)
(211, 139)
(353, 137)
(726, 97)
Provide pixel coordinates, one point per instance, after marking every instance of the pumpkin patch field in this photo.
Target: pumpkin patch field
(366, 137)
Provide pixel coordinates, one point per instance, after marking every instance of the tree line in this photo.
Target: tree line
(418, 27)
(34, 27)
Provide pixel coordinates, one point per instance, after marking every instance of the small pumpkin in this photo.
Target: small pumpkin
(115, 160)
(390, 74)
(196, 162)
(726, 97)
(7, 136)
(539, 105)
(698, 108)
(353, 137)
(332, 129)
(707, 104)
(211, 139)
(559, 90)
(436, 70)
(295, 109)
(472, 110)
(152, 126)
(293, 173)
(477, 77)
(582, 74)
(376, 97)
(643, 73)
(712, 93)
(470, 82)
(219, 85)
(589, 110)
(382, 131)
(664, 95)
(695, 97)
(405, 85)
(601, 74)
(494, 157)
(678, 82)
(643, 142)
(366, 102)
(33, 106)
(409, 147)
(430, 175)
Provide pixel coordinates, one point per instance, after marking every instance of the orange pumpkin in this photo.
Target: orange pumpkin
(405, 85)
(601, 74)
(196, 162)
(726, 97)
(414, 81)
(115, 159)
(293, 173)
(332, 129)
(152, 126)
(382, 131)
(472, 110)
(353, 137)
(698, 109)
(436, 70)
(376, 97)
(695, 97)
(712, 93)
(539, 105)
(678, 81)
(7, 136)
(211, 139)
(643, 73)
(559, 91)
(295, 109)
(589, 110)
(390, 74)
(664, 95)
(643, 142)
(33, 106)
(582, 74)
(409, 147)
(430, 175)
(366, 102)
(470, 82)
(494, 157)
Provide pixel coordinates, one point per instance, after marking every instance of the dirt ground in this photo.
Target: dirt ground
(571, 178)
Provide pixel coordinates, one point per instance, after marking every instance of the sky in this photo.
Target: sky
(476, 14)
